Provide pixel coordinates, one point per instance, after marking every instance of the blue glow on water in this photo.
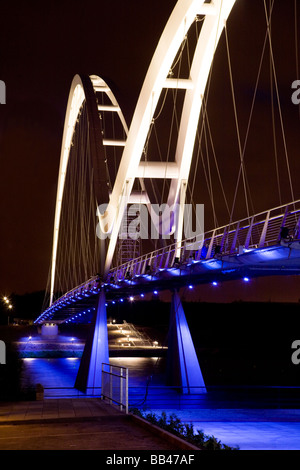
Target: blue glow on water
(60, 373)
(51, 373)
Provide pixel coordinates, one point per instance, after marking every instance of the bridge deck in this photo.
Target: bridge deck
(240, 249)
(79, 304)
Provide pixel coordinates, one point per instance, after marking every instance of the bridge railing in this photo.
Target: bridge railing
(261, 230)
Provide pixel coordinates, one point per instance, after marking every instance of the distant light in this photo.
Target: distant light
(113, 302)
(246, 279)
(121, 300)
(155, 292)
(190, 287)
(142, 295)
(214, 283)
(131, 299)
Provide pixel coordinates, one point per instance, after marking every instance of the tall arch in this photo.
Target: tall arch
(157, 79)
(215, 15)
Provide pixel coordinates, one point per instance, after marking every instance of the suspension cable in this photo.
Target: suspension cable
(236, 120)
(278, 102)
(296, 43)
(273, 120)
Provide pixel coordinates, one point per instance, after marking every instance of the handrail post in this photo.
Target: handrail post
(110, 384)
(283, 222)
(233, 246)
(223, 241)
(264, 231)
(102, 377)
(121, 389)
(168, 257)
(126, 391)
(247, 241)
(297, 229)
(208, 254)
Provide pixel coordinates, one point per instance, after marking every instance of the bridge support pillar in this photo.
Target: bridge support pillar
(183, 369)
(95, 351)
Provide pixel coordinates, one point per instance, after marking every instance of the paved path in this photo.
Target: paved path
(79, 424)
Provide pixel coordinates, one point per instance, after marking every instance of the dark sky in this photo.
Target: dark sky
(42, 46)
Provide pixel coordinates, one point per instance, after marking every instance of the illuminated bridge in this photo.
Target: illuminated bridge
(104, 247)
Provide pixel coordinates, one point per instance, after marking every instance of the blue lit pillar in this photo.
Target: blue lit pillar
(183, 368)
(95, 351)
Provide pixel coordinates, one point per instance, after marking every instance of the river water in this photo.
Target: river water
(245, 428)
(58, 375)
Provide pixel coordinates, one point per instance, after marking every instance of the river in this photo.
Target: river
(245, 428)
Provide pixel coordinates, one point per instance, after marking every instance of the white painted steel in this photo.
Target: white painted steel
(156, 79)
(75, 102)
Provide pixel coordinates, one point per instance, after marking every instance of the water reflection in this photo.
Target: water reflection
(58, 373)
(51, 373)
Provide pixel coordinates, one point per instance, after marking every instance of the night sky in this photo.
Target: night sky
(43, 46)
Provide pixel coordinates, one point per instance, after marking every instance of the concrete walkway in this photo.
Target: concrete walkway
(79, 424)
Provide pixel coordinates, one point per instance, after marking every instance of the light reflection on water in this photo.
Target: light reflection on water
(51, 373)
(61, 372)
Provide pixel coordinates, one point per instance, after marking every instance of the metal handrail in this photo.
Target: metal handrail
(260, 230)
(107, 389)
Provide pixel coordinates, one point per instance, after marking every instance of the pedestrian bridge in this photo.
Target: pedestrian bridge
(266, 245)
(107, 166)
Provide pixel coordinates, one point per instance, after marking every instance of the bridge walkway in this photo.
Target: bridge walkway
(79, 424)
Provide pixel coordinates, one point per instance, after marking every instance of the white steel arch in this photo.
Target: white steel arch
(215, 16)
(183, 15)
(79, 92)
